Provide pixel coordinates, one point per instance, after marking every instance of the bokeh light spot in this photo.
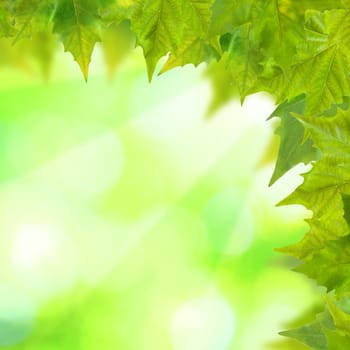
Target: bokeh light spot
(37, 256)
(33, 245)
(206, 323)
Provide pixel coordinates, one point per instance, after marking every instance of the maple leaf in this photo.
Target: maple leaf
(75, 21)
(311, 335)
(321, 70)
(325, 184)
(229, 14)
(158, 28)
(330, 266)
(279, 28)
(337, 341)
(294, 149)
(197, 16)
(243, 59)
(31, 16)
(340, 313)
(114, 12)
(6, 19)
(193, 51)
(298, 51)
(329, 330)
(196, 46)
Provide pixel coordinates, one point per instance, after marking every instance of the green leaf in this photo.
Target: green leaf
(294, 149)
(195, 47)
(325, 184)
(117, 42)
(340, 318)
(330, 266)
(336, 341)
(244, 59)
(311, 335)
(193, 51)
(158, 27)
(197, 17)
(272, 79)
(329, 331)
(75, 21)
(229, 14)
(6, 19)
(320, 4)
(222, 86)
(280, 28)
(114, 12)
(321, 70)
(298, 51)
(32, 16)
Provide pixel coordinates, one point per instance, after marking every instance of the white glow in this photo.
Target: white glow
(258, 108)
(205, 323)
(33, 245)
(44, 259)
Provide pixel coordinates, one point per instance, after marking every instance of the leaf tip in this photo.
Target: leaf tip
(150, 73)
(85, 70)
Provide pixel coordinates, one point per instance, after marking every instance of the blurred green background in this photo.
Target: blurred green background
(130, 220)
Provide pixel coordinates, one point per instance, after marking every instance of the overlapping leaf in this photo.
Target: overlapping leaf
(330, 266)
(6, 19)
(244, 58)
(158, 25)
(196, 45)
(298, 51)
(279, 28)
(77, 24)
(294, 148)
(31, 16)
(116, 11)
(229, 14)
(321, 70)
(329, 330)
(325, 184)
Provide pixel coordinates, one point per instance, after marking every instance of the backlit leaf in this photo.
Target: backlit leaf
(32, 16)
(158, 26)
(293, 146)
(75, 21)
(325, 184)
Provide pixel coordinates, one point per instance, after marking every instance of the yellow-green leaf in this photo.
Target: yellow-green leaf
(75, 21)
(325, 184)
(158, 26)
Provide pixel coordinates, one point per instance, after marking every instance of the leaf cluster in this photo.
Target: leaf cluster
(266, 45)
(298, 51)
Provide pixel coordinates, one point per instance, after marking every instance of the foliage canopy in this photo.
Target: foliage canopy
(298, 51)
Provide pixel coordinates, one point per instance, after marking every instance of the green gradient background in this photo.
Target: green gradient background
(131, 221)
